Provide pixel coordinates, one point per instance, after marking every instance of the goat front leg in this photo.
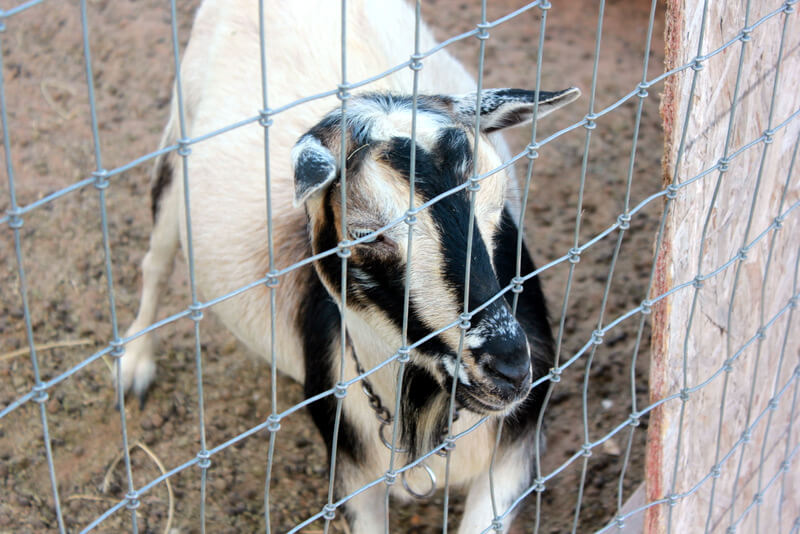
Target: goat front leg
(366, 512)
(138, 368)
(512, 475)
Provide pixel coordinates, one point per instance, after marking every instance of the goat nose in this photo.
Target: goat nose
(510, 366)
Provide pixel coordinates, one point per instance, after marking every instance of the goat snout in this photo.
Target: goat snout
(510, 366)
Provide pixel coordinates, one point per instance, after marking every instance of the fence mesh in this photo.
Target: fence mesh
(675, 473)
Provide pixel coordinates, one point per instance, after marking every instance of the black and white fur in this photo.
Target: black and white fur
(502, 354)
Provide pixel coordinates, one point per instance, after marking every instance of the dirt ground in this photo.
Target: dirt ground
(51, 147)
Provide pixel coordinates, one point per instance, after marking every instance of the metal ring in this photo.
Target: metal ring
(420, 496)
(385, 441)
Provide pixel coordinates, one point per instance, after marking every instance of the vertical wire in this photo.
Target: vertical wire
(266, 122)
(101, 183)
(15, 223)
(776, 383)
(740, 263)
(785, 464)
(642, 95)
(575, 255)
(344, 253)
(416, 66)
(197, 314)
(670, 197)
(473, 188)
(532, 155)
(728, 368)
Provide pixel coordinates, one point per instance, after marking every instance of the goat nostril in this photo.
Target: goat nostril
(515, 374)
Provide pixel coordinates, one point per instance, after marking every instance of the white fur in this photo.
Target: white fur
(221, 84)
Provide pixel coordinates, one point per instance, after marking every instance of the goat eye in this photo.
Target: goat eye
(358, 233)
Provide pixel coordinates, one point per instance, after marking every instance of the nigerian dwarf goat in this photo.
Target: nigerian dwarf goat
(502, 354)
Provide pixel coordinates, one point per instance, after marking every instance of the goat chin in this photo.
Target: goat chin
(221, 85)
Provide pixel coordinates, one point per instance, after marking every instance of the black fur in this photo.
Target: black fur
(162, 181)
(532, 315)
(319, 324)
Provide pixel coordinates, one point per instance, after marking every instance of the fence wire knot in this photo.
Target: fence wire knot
(342, 92)
(14, 218)
(497, 524)
(117, 348)
(778, 222)
(416, 62)
(620, 522)
(672, 192)
(483, 32)
(273, 423)
(597, 337)
(647, 306)
(329, 512)
(728, 366)
(746, 436)
(40, 394)
(411, 217)
(474, 185)
(265, 117)
(788, 8)
(697, 282)
(340, 390)
(730, 530)
(132, 500)
(743, 253)
(344, 250)
(545, 5)
(463, 321)
(716, 472)
(390, 477)
(272, 279)
(624, 221)
(574, 255)
(684, 395)
(587, 449)
(538, 485)
(672, 499)
(532, 151)
(404, 354)
(746, 34)
(555, 374)
(100, 179)
(590, 121)
(516, 284)
(183, 147)
(769, 136)
(697, 64)
(793, 301)
(642, 92)
(634, 419)
(785, 466)
(205, 460)
(197, 312)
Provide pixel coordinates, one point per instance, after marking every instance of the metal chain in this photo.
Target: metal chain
(385, 419)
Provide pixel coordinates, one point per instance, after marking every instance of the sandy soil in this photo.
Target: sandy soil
(52, 147)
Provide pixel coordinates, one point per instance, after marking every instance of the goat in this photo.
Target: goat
(502, 353)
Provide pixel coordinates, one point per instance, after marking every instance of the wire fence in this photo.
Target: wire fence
(784, 394)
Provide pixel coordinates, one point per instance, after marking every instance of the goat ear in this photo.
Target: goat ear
(503, 108)
(314, 167)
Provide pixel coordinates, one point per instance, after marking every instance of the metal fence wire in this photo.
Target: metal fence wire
(773, 485)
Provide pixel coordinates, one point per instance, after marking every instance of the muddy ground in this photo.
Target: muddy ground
(51, 148)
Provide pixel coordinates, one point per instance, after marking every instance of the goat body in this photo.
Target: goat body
(502, 354)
